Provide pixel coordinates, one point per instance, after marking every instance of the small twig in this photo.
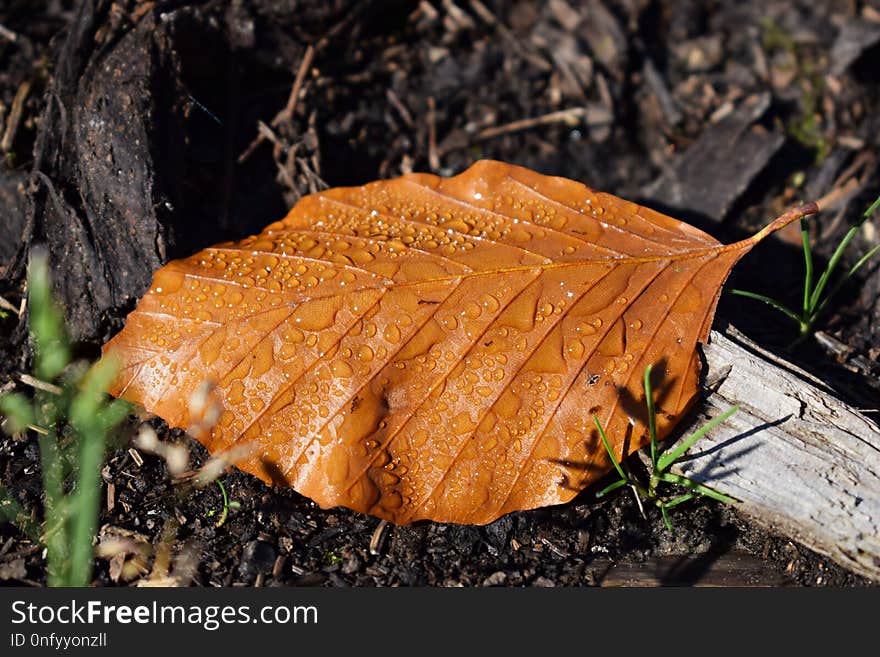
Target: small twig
(427, 10)
(15, 116)
(286, 114)
(838, 194)
(483, 12)
(25, 552)
(377, 537)
(136, 456)
(461, 19)
(433, 157)
(265, 132)
(571, 117)
(6, 305)
(33, 382)
(8, 34)
(830, 343)
(635, 490)
(491, 20)
(566, 72)
(856, 170)
(400, 107)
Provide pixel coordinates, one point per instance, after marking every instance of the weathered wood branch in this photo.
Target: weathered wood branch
(801, 461)
(125, 177)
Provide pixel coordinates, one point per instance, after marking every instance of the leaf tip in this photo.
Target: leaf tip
(808, 208)
(787, 217)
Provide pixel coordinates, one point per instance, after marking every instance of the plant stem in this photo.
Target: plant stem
(770, 302)
(808, 267)
(652, 422)
(670, 457)
(608, 449)
(225, 512)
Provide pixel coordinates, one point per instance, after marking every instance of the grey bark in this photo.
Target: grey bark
(799, 460)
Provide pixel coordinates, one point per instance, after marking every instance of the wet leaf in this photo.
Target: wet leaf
(433, 348)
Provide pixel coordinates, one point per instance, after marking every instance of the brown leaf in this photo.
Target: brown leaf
(434, 348)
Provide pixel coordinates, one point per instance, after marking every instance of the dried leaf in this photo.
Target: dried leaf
(434, 348)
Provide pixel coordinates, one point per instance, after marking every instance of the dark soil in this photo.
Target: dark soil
(134, 145)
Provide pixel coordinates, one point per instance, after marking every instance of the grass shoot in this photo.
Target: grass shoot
(660, 464)
(817, 293)
(73, 419)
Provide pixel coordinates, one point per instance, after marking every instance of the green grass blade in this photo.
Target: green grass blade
(85, 504)
(770, 302)
(53, 470)
(55, 525)
(73, 427)
(669, 458)
(817, 305)
(115, 412)
(666, 519)
(870, 254)
(670, 478)
(608, 449)
(652, 419)
(612, 487)
(832, 265)
(225, 512)
(89, 416)
(46, 322)
(681, 499)
(18, 409)
(52, 356)
(808, 266)
(871, 208)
